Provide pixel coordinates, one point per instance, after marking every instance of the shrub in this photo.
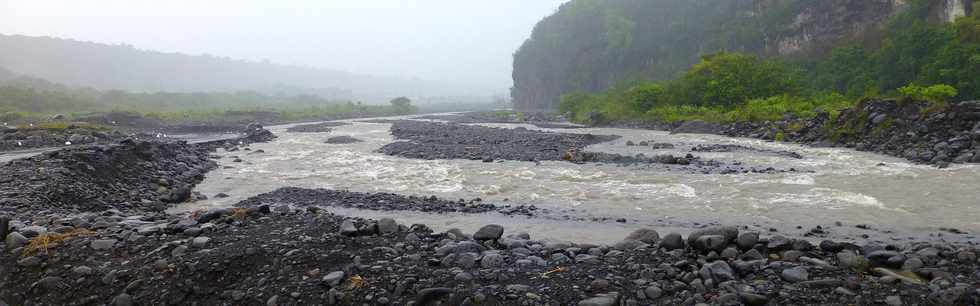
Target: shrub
(936, 94)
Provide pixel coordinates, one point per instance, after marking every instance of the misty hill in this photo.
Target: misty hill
(122, 67)
(591, 45)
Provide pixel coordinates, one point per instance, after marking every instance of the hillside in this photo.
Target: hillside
(592, 45)
(123, 67)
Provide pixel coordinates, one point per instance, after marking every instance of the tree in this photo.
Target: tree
(402, 105)
(731, 79)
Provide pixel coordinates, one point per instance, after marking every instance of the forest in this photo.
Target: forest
(915, 58)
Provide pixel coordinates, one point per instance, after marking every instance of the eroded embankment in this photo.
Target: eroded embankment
(131, 175)
(916, 131)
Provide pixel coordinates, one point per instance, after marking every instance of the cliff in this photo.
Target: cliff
(591, 45)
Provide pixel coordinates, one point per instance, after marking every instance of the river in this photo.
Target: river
(899, 199)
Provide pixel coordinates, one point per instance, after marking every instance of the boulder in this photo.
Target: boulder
(489, 232)
(645, 235)
(730, 233)
(673, 241)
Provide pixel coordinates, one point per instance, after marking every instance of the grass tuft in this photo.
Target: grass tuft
(46, 241)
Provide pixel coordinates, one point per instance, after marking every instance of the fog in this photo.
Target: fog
(461, 42)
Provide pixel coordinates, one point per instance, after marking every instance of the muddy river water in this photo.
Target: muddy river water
(896, 198)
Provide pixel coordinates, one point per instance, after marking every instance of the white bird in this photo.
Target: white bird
(67, 143)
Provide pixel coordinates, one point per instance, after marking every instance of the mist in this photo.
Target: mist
(464, 43)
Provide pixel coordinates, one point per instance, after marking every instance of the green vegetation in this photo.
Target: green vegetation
(33, 98)
(916, 59)
(403, 105)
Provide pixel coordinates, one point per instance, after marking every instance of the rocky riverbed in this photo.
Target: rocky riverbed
(302, 256)
(114, 247)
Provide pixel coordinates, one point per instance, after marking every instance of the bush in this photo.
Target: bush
(936, 94)
(731, 79)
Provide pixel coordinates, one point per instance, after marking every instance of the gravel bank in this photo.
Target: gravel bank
(428, 140)
(282, 256)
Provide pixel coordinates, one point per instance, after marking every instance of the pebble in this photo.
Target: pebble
(795, 275)
(102, 244)
(333, 278)
(609, 299)
(200, 242)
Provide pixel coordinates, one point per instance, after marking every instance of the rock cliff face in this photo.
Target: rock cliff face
(591, 45)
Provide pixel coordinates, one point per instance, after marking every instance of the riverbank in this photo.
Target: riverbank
(284, 248)
(108, 128)
(277, 255)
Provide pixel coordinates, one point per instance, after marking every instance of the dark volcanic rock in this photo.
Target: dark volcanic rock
(323, 127)
(342, 140)
(124, 176)
(428, 140)
(371, 201)
(735, 148)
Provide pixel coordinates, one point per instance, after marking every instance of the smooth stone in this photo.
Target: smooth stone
(747, 240)
(333, 278)
(645, 235)
(795, 275)
(102, 244)
(489, 232)
(730, 233)
(608, 299)
(673, 241)
(200, 242)
(387, 226)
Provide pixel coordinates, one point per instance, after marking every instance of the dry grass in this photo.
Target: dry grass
(357, 282)
(46, 241)
(239, 214)
(555, 270)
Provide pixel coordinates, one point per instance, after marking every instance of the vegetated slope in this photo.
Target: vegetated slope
(77, 63)
(592, 45)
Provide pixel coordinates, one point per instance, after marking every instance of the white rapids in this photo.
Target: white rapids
(839, 185)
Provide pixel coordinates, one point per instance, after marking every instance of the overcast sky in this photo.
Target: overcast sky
(461, 41)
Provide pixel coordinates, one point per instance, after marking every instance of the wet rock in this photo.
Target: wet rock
(893, 300)
(729, 233)
(609, 299)
(956, 296)
(673, 241)
(710, 243)
(850, 260)
(432, 296)
(492, 261)
(387, 226)
(347, 228)
(645, 235)
(719, 271)
(342, 140)
(102, 244)
(653, 292)
(333, 279)
(200, 242)
(752, 299)
(123, 300)
(795, 275)
(489, 232)
(747, 240)
(626, 245)
(15, 240)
